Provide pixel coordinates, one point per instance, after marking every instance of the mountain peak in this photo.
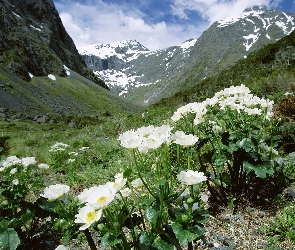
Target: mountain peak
(256, 8)
(120, 49)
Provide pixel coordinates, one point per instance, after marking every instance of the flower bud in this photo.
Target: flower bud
(190, 200)
(100, 226)
(184, 217)
(4, 203)
(116, 225)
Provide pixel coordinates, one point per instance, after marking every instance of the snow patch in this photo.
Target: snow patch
(52, 77)
(67, 70)
(187, 44)
(251, 39)
(113, 49)
(35, 28)
(233, 19)
(15, 14)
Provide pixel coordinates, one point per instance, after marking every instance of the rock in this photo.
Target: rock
(72, 124)
(33, 39)
(291, 192)
(41, 119)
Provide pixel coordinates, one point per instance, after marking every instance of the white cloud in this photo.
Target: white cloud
(214, 10)
(97, 21)
(108, 23)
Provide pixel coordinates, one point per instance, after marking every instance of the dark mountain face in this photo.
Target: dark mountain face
(34, 40)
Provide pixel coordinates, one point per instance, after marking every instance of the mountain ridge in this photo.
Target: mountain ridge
(34, 41)
(146, 80)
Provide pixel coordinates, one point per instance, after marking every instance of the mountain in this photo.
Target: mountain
(148, 76)
(268, 72)
(128, 66)
(41, 71)
(34, 40)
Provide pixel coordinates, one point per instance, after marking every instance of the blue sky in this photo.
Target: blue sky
(156, 24)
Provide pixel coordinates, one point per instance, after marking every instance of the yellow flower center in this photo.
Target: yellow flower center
(90, 216)
(101, 199)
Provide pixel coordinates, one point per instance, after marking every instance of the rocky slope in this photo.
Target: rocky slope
(34, 41)
(41, 72)
(148, 76)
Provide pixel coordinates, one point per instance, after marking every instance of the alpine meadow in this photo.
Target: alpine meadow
(114, 146)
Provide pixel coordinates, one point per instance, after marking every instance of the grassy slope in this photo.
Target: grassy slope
(71, 96)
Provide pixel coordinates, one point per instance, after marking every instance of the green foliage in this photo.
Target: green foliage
(282, 227)
(236, 143)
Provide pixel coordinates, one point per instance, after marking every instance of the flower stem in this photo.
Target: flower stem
(90, 239)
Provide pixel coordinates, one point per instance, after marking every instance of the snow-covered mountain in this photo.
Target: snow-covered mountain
(146, 76)
(128, 64)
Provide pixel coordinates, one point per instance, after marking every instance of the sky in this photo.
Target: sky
(156, 24)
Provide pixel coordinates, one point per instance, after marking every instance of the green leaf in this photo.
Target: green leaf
(109, 239)
(160, 182)
(46, 205)
(199, 230)
(184, 236)
(20, 221)
(162, 245)
(147, 201)
(9, 239)
(260, 170)
(4, 223)
(127, 173)
(151, 214)
(145, 238)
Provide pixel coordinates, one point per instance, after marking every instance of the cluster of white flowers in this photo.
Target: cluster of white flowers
(267, 148)
(13, 164)
(59, 146)
(97, 198)
(146, 138)
(191, 177)
(151, 137)
(185, 140)
(13, 161)
(235, 98)
(54, 192)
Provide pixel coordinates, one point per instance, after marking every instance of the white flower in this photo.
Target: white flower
(191, 177)
(15, 182)
(204, 197)
(145, 131)
(73, 153)
(43, 166)
(126, 192)
(119, 175)
(59, 146)
(130, 139)
(61, 247)
(28, 161)
(10, 161)
(137, 183)
(184, 140)
(71, 160)
(83, 148)
(13, 171)
(87, 215)
(119, 181)
(83, 196)
(56, 191)
(100, 196)
(194, 207)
